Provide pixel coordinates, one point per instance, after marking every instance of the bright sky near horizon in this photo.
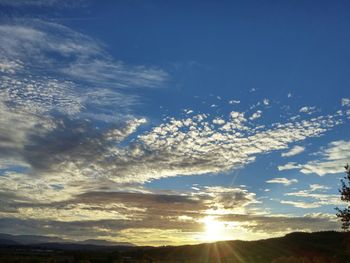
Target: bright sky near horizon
(171, 122)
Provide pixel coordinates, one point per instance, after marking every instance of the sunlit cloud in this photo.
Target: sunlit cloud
(282, 180)
(294, 151)
(313, 197)
(300, 204)
(332, 160)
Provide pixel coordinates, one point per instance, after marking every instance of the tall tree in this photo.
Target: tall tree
(344, 214)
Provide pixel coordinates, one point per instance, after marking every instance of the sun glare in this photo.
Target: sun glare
(214, 230)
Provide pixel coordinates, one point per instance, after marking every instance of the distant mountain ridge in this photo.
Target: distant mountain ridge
(7, 239)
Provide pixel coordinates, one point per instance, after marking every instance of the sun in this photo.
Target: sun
(214, 230)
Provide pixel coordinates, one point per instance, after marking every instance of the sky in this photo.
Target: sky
(172, 122)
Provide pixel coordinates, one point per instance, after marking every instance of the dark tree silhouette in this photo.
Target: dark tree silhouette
(344, 214)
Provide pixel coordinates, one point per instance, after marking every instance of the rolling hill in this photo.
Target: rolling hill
(318, 247)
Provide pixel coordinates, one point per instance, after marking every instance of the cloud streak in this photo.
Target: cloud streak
(332, 161)
(294, 151)
(314, 197)
(281, 180)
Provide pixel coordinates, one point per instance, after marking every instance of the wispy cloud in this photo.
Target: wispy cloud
(282, 180)
(332, 160)
(59, 50)
(300, 204)
(313, 197)
(294, 151)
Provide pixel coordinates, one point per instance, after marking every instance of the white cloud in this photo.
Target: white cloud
(282, 180)
(46, 110)
(315, 187)
(33, 42)
(294, 151)
(228, 199)
(114, 74)
(234, 102)
(256, 115)
(288, 166)
(202, 149)
(41, 95)
(307, 110)
(345, 102)
(188, 146)
(36, 85)
(332, 160)
(315, 196)
(188, 111)
(218, 121)
(7, 66)
(300, 204)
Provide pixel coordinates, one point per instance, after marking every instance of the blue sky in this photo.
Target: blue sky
(155, 122)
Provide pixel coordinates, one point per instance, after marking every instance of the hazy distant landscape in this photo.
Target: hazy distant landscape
(321, 247)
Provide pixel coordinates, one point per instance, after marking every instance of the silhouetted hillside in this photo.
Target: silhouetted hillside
(320, 247)
(317, 247)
